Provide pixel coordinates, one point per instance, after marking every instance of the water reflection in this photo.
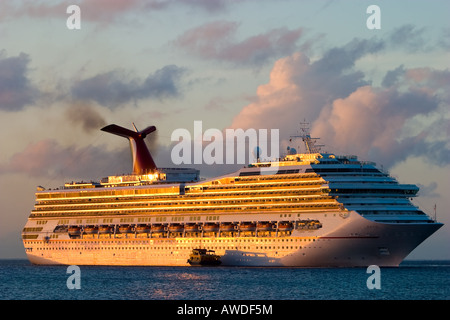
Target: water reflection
(166, 283)
(187, 276)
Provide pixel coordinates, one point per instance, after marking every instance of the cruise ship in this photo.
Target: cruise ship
(315, 209)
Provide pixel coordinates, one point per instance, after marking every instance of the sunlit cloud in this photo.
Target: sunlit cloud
(348, 113)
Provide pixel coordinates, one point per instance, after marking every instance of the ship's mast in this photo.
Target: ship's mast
(310, 143)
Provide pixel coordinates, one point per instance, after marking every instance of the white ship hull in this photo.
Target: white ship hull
(376, 243)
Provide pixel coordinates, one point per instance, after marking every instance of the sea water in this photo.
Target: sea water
(412, 280)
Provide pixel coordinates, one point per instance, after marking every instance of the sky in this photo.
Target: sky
(381, 94)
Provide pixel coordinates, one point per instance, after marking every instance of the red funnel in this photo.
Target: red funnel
(142, 160)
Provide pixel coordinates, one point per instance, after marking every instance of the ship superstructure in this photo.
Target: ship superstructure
(313, 209)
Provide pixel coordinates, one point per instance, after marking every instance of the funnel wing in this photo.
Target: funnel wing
(120, 131)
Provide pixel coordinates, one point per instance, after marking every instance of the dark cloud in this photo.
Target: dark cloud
(162, 84)
(208, 5)
(216, 41)
(392, 76)
(437, 152)
(444, 38)
(112, 88)
(105, 12)
(338, 59)
(333, 75)
(428, 190)
(108, 89)
(396, 150)
(408, 37)
(16, 90)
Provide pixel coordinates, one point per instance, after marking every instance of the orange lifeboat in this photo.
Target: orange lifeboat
(142, 228)
(264, 226)
(284, 226)
(247, 226)
(211, 227)
(227, 227)
(74, 231)
(158, 228)
(90, 229)
(176, 227)
(125, 228)
(105, 229)
(192, 227)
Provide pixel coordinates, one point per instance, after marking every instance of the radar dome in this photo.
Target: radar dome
(257, 152)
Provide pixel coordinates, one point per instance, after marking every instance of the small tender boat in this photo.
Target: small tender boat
(203, 257)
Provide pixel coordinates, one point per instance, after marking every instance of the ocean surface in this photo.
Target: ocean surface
(413, 280)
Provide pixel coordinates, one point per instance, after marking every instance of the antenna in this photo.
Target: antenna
(142, 160)
(310, 143)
